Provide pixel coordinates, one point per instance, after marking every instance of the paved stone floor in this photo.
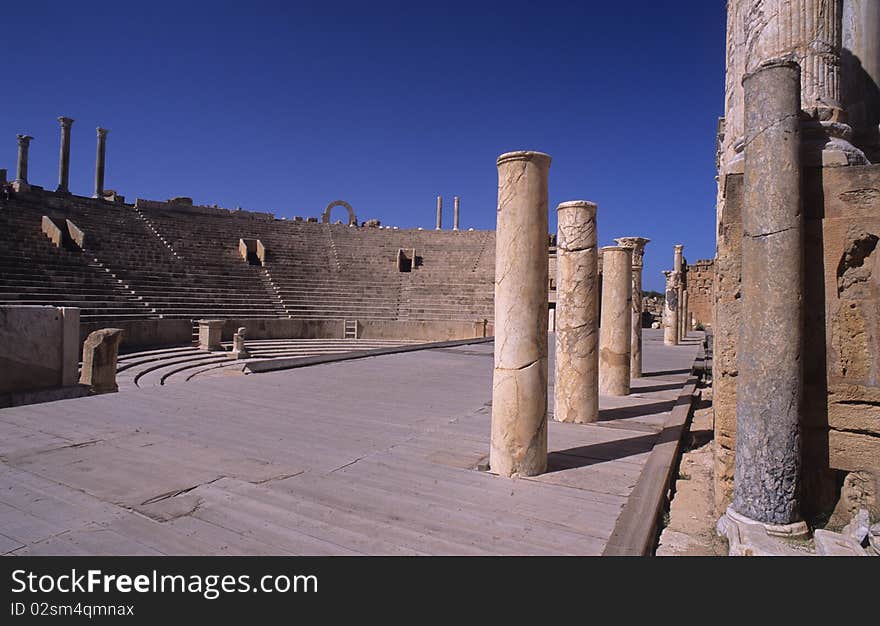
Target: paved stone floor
(371, 456)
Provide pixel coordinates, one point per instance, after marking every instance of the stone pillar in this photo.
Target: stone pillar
(21, 170)
(99, 360)
(861, 72)
(678, 269)
(455, 207)
(99, 163)
(239, 351)
(210, 332)
(519, 384)
(770, 386)
(439, 212)
(670, 309)
(577, 333)
(811, 32)
(69, 345)
(686, 317)
(615, 331)
(64, 156)
(637, 244)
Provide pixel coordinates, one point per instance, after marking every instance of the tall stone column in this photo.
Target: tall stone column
(455, 207)
(637, 244)
(518, 443)
(439, 212)
(577, 327)
(64, 155)
(686, 318)
(861, 72)
(99, 163)
(770, 387)
(21, 170)
(811, 32)
(670, 309)
(615, 332)
(678, 268)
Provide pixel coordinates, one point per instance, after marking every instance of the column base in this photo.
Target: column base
(827, 144)
(748, 537)
(20, 186)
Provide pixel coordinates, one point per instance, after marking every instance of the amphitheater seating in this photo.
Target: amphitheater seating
(166, 262)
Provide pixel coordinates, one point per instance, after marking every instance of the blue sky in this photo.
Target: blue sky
(285, 106)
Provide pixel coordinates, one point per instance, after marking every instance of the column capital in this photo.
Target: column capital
(24, 140)
(65, 121)
(102, 132)
(637, 244)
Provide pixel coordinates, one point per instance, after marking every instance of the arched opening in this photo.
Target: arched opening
(352, 218)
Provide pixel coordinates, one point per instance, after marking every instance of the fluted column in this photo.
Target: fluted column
(64, 155)
(439, 212)
(21, 169)
(615, 331)
(811, 33)
(670, 309)
(861, 73)
(455, 208)
(576, 383)
(99, 162)
(637, 245)
(519, 384)
(769, 356)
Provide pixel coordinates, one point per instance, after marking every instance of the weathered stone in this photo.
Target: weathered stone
(210, 332)
(747, 537)
(456, 204)
(99, 360)
(99, 163)
(577, 329)
(670, 309)
(638, 252)
(238, 349)
(40, 347)
(766, 485)
(859, 526)
(439, 212)
(21, 169)
(64, 156)
(519, 387)
(615, 332)
(835, 544)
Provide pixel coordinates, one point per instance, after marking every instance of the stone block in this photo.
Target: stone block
(100, 351)
(38, 352)
(210, 333)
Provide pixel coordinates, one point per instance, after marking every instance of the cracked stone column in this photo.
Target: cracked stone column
(64, 155)
(637, 244)
(670, 309)
(769, 394)
(519, 384)
(677, 268)
(99, 163)
(439, 212)
(577, 330)
(455, 207)
(615, 331)
(21, 169)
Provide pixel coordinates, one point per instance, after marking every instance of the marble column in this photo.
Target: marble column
(455, 208)
(99, 163)
(637, 244)
(64, 156)
(519, 384)
(439, 212)
(21, 170)
(577, 325)
(615, 331)
(769, 357)
(670, 309)
(810, 32)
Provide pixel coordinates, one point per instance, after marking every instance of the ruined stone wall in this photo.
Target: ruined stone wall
(700, 286)
(841, 417)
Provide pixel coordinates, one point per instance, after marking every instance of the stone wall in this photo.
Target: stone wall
(701, 288)
(841, 417)
(40, 348)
